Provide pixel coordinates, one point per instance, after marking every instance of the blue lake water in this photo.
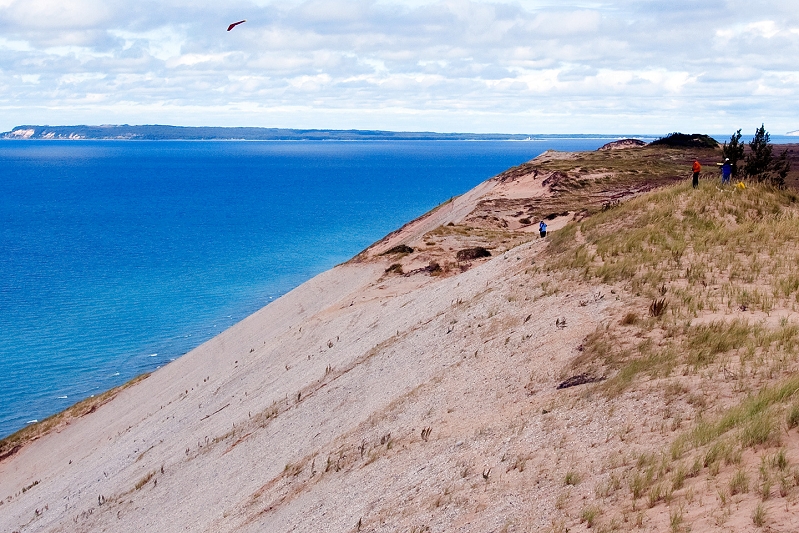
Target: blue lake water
(117, 257)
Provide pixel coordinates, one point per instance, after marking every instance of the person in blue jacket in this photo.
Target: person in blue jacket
(726, 172)
(542, 228)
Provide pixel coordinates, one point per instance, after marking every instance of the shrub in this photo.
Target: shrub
(433, 268)
(396, 267)
(469, 254)
(399, 249)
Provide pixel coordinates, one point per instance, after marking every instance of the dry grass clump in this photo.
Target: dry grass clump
(144, 480)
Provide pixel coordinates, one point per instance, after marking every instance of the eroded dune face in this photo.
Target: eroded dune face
(388, 395)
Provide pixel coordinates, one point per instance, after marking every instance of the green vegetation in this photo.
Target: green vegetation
(395, 268)
(761, 165)
(734, 151)
(682, 252)
(708, 279)
(589, 515)
(695, 140)
(596, 180)
(759, 516)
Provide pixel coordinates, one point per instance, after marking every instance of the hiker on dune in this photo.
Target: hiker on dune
(696, 169)
(726, 172)
(542, 228)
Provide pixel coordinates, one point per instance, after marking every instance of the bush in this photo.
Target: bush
(433, 268)
(399, 249)
(469, 254)
(396, 267)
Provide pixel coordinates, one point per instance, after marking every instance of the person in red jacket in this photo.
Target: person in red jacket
(696, 169)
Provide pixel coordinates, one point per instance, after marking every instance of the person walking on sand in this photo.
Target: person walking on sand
(542, 228)
(696, 169)
(726, 172)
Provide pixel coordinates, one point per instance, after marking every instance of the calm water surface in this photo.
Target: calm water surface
(117, 257)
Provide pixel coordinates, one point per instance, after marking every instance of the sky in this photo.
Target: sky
(635, 66)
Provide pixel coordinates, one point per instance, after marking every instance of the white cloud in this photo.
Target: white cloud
(56, 14)
(512, 65)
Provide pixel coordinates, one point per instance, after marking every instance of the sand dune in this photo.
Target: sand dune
(410, 400)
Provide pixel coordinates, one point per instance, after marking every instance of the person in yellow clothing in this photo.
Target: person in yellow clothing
(696, 169)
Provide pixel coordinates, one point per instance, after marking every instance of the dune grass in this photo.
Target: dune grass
(724, 262)
(688, 252)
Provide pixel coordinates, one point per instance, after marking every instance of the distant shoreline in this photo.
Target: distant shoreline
(182, 133)
(158, 132)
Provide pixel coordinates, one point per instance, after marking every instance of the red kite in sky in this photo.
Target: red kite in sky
(235, 24)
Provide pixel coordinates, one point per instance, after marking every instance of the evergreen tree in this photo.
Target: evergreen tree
(734, 151)
(780, 167)
(759, 159)
(761, 164)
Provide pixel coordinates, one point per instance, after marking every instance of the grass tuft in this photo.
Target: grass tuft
(739, 484)
(589, 515)
(572, 478)
(759, 515)
(793, 416)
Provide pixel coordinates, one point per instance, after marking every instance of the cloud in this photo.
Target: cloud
(510, 65)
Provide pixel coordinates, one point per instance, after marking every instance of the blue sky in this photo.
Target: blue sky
(453, 65)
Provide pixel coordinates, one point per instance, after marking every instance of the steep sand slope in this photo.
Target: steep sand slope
(324, 459)
(334, 366)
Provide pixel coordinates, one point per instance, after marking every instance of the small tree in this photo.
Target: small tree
(759, 159)
(780, 167)
(734, 151)
(761, 164)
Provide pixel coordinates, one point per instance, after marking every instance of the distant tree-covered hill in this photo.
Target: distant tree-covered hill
(160, 132)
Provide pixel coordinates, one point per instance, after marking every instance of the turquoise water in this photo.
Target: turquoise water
(117, 257)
